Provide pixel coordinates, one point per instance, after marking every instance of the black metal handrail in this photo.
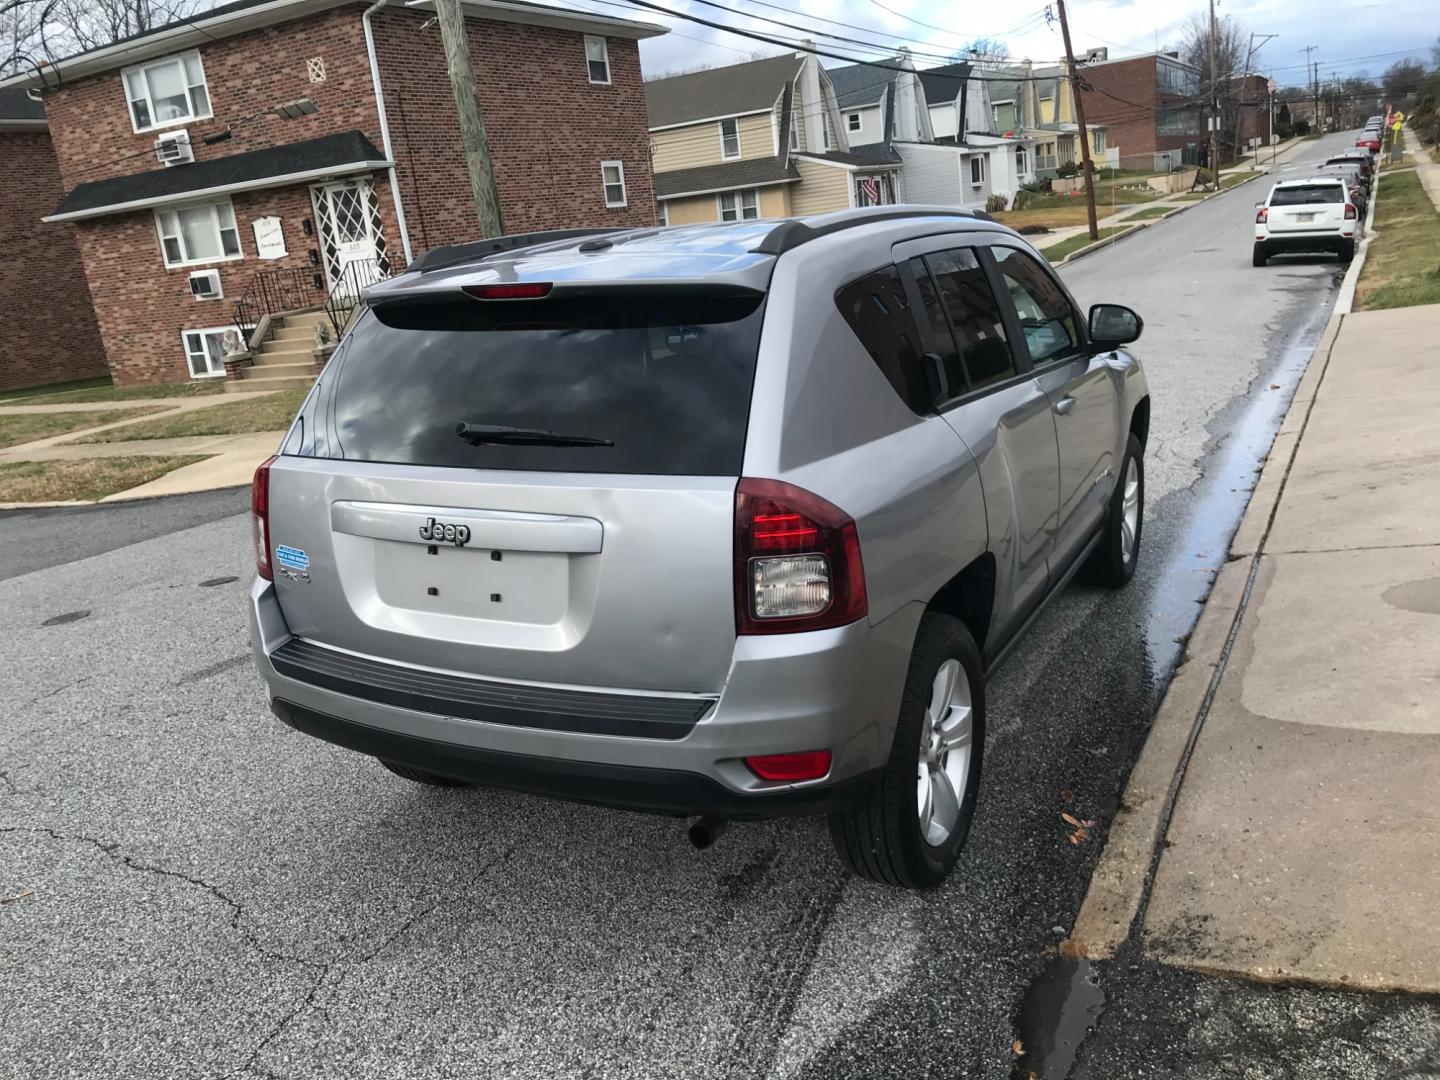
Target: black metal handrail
(349, 288)
(273, 291)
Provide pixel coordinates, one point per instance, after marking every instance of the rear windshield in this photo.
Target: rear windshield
(665, 379)
(1308, 193)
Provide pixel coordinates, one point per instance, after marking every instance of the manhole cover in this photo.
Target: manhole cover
(69, 616)
(210, 583)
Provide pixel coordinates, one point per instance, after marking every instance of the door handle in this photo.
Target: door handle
(1065, 404)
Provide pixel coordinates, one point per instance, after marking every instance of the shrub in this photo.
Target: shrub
(1068, 170)
(995, 203)
(1302, 127)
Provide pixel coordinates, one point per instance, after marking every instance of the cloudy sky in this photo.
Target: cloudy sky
(1352, 35)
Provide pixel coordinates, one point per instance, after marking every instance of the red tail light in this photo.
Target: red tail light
(260, 519)
(810, 765)
(1261, 215)
(797, 561)
(528, 290)
(1350, 212)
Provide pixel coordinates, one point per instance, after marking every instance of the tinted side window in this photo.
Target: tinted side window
(1046, 317)
(878, 312)
(974, 316)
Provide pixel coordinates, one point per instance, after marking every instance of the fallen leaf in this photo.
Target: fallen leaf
(1070, 819)
(1018, 1047)
(1074, 838)
(1274, 386)
(21, 895)
(1072, 949)
(1066, 795)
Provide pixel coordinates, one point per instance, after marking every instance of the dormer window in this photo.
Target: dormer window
(166, 92)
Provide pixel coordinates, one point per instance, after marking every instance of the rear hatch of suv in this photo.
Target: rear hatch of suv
(1311, 207)
(529, 484)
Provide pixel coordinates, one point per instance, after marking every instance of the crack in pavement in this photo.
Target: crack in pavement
(57, 690)
(248, 1065)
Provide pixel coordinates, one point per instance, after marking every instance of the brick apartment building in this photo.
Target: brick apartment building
(1249, 112)
(1149, 105)
(297, 199)
(47, 326)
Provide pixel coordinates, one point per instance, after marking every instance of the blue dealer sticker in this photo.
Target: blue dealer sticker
(292, 559)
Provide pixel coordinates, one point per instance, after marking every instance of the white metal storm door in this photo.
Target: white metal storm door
(348, 216)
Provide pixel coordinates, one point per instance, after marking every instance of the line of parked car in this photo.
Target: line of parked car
(1323, 212)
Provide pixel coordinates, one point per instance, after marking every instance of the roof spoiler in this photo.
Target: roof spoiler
(789, 235)
(458, 254)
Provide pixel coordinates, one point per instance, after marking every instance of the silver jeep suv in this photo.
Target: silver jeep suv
(730, 521)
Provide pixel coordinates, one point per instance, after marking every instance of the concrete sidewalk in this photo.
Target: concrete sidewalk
(1305, 838)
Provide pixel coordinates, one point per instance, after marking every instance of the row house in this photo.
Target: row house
(940, 123)
(48, 332)
(1150, 105)
(758, 140)
(262, 156)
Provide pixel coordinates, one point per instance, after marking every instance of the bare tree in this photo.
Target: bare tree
(1232, 41)
(22, 34)
(1402, 79)
(35, 31)
(983, 52)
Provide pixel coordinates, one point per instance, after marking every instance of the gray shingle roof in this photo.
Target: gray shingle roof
(726, 91)
(861, 84)
(253, 167)
(874, 154)
(751, 172)
(943, 84)
(15, 104)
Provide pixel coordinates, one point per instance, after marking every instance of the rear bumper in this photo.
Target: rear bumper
(625, 787)
(1276, 243)
(834, 689)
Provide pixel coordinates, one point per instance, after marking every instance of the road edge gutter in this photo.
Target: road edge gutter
(1345, 302)
(1113, 908)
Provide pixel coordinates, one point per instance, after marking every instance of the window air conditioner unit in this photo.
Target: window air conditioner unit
(174, 149)
(205, 285)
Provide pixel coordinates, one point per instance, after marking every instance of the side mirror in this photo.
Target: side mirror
(1258, 205)
(1112, 325)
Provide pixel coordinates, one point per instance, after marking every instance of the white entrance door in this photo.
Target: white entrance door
(349, 226)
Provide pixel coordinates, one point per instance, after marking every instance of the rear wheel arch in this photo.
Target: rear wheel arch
(970, 597)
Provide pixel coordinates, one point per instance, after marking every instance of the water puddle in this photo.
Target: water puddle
(1059, 1010)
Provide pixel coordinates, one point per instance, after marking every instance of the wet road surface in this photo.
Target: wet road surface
(216, 895)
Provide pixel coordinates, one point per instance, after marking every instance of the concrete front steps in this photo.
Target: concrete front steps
(285, 360)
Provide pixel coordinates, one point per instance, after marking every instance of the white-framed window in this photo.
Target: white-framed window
(739, 205)
(730, 137)
(825, 126)
(664, 215)
(1022, 160)
(977, 171)
(794, 131)
(166, 92)
(1099, 136)
(205, 351)
(852, 121)
(202, 233)
(612, 176)
(597, 60)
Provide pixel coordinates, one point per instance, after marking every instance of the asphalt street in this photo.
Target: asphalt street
(201, 892)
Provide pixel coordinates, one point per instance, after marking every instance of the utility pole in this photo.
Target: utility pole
(1239, 105)
(1089, 167)
(1314, 89)
(1214, 157)
(472, 123)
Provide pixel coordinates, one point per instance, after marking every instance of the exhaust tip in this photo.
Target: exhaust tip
(705, 831)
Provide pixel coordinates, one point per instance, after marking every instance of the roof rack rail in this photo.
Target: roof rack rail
(442, 258)
(789, 235)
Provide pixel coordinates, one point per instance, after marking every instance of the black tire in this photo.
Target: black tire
(1259, 258)
(880, 837)
(1347, 251)
(422, 776)
(1109, 564)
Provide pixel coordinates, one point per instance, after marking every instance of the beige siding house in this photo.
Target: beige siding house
(758, 140)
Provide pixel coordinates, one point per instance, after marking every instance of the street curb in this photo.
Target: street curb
(1098, 244)
(1120, 880)
(112, 500)
(1345, 302)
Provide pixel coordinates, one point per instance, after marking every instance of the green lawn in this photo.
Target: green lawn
(93, 478)
(1192, 196)
(101, 390)
(1402, 267)
(1148, 213)
(272, 412)
(17, 428)
(1058, 251)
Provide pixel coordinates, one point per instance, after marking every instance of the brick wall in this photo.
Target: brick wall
(47, 327)
(1125, 99)
(549, 128)
(90, 118)
(143, 307)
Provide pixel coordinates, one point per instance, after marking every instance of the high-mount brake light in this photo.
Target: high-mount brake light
(524, 290)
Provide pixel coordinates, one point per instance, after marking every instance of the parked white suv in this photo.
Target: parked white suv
(1311, 215)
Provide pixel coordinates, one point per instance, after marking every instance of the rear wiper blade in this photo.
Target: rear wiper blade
(501, 435)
